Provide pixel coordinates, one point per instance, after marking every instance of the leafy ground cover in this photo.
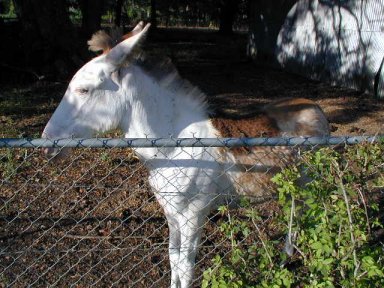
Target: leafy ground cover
(335, 221)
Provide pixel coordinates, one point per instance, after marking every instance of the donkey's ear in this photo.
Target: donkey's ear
(139, 27)
(124, 49)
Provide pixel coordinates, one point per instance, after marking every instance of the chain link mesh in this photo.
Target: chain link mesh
(91, 219)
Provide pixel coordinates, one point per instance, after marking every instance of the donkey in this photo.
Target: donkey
(121, 89)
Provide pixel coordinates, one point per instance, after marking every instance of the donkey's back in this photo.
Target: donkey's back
(255, 166)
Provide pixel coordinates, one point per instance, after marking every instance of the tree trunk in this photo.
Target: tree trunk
(153, 14)
(118, 11)
(91, 11)
(266, 20)
(228, 10)
(48, 36)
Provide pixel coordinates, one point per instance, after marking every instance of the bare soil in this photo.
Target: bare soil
(91, 220)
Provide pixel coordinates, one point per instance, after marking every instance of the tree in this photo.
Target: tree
(48, 35)
(91, 11)
(153, 14)
(228, 10)
(118, 11)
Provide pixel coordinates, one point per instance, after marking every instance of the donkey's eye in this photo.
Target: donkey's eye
(82, 91)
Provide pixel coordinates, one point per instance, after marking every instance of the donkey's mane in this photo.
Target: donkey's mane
(158, 67)
(164, 72)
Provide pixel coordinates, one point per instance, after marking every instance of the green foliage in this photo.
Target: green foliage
(7, 163)
(75, 14)
(7, 9)
(11, 160)
(137, 10)
(334, 219)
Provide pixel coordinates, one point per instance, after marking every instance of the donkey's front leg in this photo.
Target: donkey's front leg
(174, 250)
(191, 227)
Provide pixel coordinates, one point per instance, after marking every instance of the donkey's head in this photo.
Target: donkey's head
(92, 102)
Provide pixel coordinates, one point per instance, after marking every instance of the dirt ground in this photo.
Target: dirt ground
(92, 220)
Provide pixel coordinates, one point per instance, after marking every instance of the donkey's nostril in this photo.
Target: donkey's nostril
(56, 153)
(51, 152)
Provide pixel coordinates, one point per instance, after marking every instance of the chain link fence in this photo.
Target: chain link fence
(91, 220)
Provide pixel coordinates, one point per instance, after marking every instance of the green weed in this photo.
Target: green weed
(334, 220)
(12, 161)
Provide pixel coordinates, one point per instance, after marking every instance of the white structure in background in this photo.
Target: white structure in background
(340, 42)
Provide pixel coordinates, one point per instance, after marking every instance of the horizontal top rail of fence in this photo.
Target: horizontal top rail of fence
(183, 142)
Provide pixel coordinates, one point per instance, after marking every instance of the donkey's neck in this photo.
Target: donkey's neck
(164, 109)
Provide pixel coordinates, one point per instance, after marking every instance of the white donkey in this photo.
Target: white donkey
(118, 89)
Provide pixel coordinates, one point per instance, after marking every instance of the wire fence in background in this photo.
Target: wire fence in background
(91, 219)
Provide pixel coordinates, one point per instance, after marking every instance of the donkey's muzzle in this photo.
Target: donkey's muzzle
(56, 153)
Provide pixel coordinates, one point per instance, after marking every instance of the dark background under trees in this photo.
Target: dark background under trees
(46, 39)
